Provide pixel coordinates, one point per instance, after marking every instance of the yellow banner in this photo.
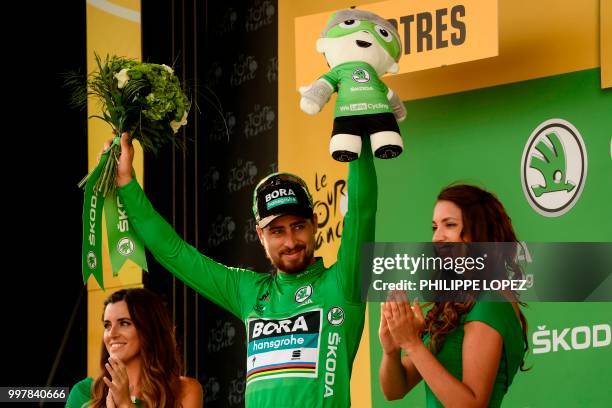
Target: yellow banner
(113, 28)
(605, 42)
(435, 33)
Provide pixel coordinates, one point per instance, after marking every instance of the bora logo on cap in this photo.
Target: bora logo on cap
(280, 197)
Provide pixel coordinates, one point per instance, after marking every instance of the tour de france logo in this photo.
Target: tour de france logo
(125, 246)
(303, 294)
(361, 75)
(554, 167)
(335, 316)
(92, 261)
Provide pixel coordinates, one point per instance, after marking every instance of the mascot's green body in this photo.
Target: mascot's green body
(359, 46)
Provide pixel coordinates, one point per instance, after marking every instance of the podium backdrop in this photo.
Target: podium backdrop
(471, 121)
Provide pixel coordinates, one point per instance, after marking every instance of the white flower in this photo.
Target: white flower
(122, 78)
(167, 68)
(176, 125)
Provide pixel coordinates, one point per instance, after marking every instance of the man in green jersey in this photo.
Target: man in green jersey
(304, 322)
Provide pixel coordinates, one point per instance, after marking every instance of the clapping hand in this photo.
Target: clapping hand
(404, 322)
(119, 386)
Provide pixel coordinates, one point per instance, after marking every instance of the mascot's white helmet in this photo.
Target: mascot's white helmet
(358, 35)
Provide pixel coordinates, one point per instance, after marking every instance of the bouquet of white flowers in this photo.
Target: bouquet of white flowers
(148, 102)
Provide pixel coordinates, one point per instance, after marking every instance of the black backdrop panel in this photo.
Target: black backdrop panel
(227, 54)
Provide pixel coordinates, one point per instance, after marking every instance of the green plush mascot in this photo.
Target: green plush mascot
(359, 47)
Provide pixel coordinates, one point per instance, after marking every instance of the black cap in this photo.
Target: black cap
(280, 194)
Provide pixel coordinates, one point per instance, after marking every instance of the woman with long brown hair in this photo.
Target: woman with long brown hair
(139, 363)
(466, 352)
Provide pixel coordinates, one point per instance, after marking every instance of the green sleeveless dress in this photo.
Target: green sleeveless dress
(501, 317)
(80, 394)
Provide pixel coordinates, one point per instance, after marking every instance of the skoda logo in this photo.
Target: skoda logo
(335, 316)
(303, 294)
(361, 75)
(554, 167)
(125, 246)
(92, 261)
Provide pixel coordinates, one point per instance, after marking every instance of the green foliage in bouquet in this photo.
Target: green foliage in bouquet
(144, 99)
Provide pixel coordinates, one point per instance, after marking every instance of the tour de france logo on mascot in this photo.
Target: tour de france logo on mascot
(359, 47)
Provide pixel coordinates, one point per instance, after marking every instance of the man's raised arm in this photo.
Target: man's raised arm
(359, 221)
(215, 281)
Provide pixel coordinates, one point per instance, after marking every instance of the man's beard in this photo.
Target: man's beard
(292, 267)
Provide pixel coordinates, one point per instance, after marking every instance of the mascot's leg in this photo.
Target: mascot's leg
(345, 147)
(386, 144)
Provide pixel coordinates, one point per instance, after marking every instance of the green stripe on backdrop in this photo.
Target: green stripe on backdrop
(478, 137)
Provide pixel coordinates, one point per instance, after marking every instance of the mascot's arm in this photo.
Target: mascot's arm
(399, 110)
(315, 96)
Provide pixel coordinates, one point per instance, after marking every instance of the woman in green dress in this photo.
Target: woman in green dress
(140, 363)
(466, 352)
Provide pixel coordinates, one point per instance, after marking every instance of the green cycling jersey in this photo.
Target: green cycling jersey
(360, 90)
(303, 329)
